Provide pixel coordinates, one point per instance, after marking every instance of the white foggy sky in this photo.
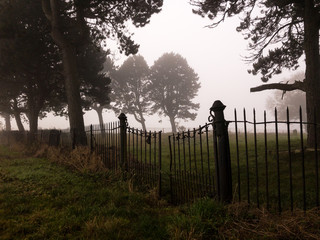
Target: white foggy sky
(215, 54)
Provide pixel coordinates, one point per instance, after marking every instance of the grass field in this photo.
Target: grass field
(40, 199)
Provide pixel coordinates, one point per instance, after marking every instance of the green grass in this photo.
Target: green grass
(43, 200)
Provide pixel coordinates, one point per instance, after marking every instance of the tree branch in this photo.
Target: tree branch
(297, 85)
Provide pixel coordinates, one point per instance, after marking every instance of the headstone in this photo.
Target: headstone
(54, 138)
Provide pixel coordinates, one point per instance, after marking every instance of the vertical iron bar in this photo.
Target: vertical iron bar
(170, 170)
(178, 142)
(116, 143)
(194, 151)
(278, 160)
(237, 152)
(133, 162)
(256, 155)
(266, 158)
(195, 162)
(189, 151)
(141, 150)
(137, 150)
(201, 159)
(303, 164)
(247, 156)
(160, 165)
(290, 160)
(145, 157)
(155, 155)
(184, 151)
(141, 157)
(129, 149)
(184, 163)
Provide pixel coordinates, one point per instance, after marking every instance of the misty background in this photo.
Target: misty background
(217, 55)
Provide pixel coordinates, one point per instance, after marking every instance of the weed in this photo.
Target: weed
(79, 159)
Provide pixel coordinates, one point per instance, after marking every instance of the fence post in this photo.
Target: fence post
(123, 141)
(224, 162)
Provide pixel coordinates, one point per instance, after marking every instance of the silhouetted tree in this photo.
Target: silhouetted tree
(292, 26)
(29, 62)
(72, 24)
(130, 91)
(173, 86)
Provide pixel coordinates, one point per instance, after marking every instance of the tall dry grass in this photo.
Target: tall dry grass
(250, 223)
(79, 159)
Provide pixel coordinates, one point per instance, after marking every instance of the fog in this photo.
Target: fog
(217, 55)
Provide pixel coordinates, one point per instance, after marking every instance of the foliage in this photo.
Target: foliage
(29, 67)
(263, 23)
(95, 83)
(130, 88)
(173, 85)
(94, 18)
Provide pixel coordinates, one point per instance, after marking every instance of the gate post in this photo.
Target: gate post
(224, 175)
(123, 141)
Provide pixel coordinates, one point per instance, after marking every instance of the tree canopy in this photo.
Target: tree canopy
(173, 86)
(29, 62)
(130, 88)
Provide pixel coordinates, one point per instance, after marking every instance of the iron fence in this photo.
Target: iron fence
(256, 162)
(104, 141)
(275, 170)
(144, 157)
(192, 165)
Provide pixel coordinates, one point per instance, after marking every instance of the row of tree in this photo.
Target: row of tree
(166, 88)
(51, 56)
(33, 77)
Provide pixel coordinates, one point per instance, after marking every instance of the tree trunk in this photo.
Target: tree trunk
(7, 120)
(173, 124)
(143, 122)
(73, 94)
(312, 80)
(140, 120)
(69, 61)
(33, 115)
(18, 121)
(100, 116)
